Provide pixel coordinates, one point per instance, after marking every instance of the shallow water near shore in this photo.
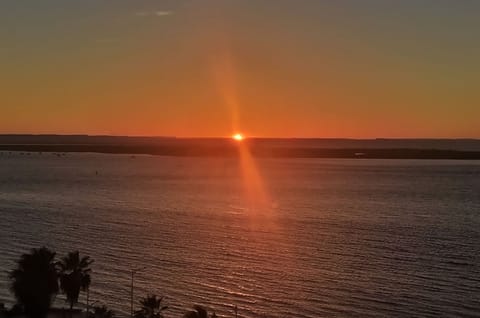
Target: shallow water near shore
(349, 238)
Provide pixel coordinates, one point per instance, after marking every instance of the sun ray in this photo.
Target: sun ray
(226, 80)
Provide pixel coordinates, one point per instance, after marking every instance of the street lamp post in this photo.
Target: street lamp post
(88, 298)
(133, 272)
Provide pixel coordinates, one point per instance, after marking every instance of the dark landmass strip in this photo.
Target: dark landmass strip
(468, 149)
(324, 143)
(231, 150)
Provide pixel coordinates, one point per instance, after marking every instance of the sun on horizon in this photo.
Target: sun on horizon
(238, 137)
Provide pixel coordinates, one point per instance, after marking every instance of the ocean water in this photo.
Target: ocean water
(339, 238)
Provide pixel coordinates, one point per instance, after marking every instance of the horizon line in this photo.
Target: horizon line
(228, 137)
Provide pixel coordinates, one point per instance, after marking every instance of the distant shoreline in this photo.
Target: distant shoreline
(231, 150)
(459, 149)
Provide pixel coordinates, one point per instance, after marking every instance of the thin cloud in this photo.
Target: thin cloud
(159, 13)
(163, 13)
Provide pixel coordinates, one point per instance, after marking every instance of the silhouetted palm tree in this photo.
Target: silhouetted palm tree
(199, 312)
(101, 312)
(35, 282)
(151, 307)
(74, 276)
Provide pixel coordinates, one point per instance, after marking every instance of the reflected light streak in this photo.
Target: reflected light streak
(225, 80)
(253, 183)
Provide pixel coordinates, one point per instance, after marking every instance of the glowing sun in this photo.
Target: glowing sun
(238, 137)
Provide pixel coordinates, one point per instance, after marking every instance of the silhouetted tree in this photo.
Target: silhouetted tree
(101, 312)
(151, 307)
(74, 274)
(199, 312)
(34, 282)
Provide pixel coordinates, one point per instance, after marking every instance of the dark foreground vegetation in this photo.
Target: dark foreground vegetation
(39, 277)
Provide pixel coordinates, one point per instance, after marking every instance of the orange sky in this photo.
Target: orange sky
(271, 69)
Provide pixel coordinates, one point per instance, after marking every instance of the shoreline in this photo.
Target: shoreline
(230, 149)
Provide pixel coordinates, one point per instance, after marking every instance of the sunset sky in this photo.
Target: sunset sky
(270, 68)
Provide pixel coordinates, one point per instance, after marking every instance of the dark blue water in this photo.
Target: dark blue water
(338, 238)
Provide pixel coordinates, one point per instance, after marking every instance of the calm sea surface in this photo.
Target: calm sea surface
(340, 238)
